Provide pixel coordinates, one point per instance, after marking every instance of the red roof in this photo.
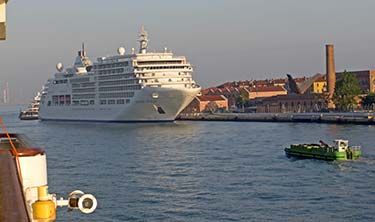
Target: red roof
(300, 79)
(211, 98)
(267, 89)
(321, 79)
(220, 90)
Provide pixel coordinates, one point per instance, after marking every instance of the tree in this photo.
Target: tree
(242, 100)
(369, 100)
(346, 89)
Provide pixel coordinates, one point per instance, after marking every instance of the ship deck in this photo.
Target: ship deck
(12, 200)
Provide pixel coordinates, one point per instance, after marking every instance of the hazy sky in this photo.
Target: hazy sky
(225, 40)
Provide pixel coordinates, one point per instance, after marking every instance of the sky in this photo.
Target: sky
(225, 40)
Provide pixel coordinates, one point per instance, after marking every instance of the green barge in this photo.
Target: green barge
(340, 151)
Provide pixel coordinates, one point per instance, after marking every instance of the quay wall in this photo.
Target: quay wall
(337, 118)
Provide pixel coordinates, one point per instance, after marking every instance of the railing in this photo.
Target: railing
(355, 148)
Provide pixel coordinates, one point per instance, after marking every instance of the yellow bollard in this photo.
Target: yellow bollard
(44, 208)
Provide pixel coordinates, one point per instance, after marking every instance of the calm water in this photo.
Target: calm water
(204, 171)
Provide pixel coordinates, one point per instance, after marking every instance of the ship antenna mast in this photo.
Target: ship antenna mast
(143, 40)
(83, 49)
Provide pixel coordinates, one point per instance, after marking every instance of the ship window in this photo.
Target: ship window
(49, 103)
(120, 101)
(111, 101)
(55, 100)
(92, 102)
(116, 95)
(127, 100)
(84, 96)
(84, 90)
(118, 82)
(61, 100)
(88, 84)
(119, 88)
(75, 102)
(78, 80)
(84, 102)
(103, 102)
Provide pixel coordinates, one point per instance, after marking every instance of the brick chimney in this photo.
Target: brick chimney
(331, 73)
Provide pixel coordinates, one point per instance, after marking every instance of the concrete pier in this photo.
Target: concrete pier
(367, 118)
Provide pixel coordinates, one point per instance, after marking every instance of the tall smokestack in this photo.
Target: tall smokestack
(331, 73)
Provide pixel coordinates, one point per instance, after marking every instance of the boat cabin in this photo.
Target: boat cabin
(341, 145)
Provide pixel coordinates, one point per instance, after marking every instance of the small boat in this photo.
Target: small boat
(28, 115)
(339, 151)
(32, 111)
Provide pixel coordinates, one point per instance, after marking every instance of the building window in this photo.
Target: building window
(92, 102)
(103, 102)
(120, 101)
(111, 101)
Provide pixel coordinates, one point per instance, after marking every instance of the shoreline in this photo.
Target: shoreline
(365, 118)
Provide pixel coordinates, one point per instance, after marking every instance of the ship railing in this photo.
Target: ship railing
(355, 148)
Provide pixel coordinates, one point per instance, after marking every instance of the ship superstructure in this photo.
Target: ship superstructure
(140, 86)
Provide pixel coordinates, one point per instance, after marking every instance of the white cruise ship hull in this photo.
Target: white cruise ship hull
(151, 104)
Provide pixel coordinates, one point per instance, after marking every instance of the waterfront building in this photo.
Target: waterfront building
(293, 103)
(231, 93)
(208, 103)
(266, 91)
(253, 92)
(366, 79)
(319, 85)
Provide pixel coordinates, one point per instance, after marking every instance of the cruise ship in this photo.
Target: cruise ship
(127, 87)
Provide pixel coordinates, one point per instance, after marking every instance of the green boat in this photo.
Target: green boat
(340, 151)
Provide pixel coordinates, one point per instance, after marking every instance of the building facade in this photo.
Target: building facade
(208, 103)
(366, 79)
(294, 103)
(266, 91)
